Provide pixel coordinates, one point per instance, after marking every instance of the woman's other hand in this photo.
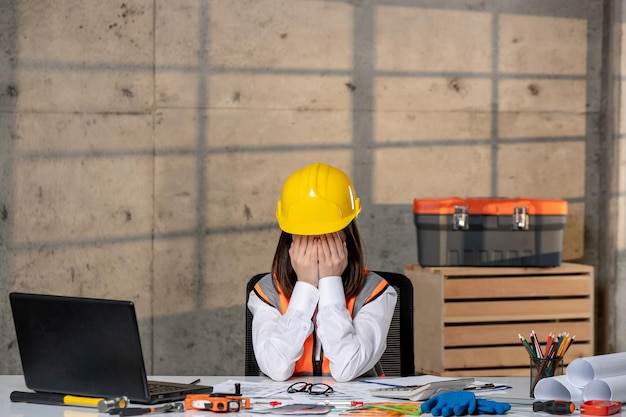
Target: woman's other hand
(304, 254)
(333, 255)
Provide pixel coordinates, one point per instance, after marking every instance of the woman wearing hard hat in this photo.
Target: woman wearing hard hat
(320, 312)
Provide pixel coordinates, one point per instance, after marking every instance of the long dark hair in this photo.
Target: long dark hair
(353, 276)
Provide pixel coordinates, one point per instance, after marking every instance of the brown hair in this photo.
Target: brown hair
(353, 276)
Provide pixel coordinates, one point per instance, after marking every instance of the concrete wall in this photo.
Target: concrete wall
(619, 186)
(144, 142)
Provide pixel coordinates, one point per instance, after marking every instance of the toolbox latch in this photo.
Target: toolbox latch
(520, 218)
(460, 219)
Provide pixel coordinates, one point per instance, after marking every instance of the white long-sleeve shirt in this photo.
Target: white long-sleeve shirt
(353, 346)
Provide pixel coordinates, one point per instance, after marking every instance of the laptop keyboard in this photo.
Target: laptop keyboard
(156, 388)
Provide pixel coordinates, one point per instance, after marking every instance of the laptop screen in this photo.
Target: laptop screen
(80, 346)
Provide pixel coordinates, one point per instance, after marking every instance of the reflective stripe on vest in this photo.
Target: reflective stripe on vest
(374, 286)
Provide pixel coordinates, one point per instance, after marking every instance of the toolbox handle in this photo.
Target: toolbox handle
(520, 218)
(460, 218)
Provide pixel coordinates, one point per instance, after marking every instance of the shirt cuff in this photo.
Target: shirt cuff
(304, 298)
(331, 291)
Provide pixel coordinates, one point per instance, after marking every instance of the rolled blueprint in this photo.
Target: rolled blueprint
(582, 371)
(610, 388)
(558, 387)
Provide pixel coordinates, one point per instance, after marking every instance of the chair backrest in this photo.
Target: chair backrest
(397, 360)
(252, 368)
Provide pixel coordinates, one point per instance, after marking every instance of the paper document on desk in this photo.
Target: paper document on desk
(406, 381)
(558, 387)
(582, 371)
(295, 409)
(354, 391)
(271, 390)
(253, 389)
(601, 377)
(417, 388)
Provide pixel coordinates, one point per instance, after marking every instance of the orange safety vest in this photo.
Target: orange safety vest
(374, 286)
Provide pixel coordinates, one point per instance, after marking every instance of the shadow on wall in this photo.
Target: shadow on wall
(204, 342)
(9, 93)
(416, 113)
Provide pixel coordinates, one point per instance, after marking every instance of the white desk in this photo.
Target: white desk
(9, 383)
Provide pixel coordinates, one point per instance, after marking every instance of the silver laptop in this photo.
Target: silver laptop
(88, 347)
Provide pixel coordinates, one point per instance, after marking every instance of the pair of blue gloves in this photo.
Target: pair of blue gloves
(459, 403)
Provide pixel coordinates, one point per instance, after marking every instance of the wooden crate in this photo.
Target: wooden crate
(467, 319)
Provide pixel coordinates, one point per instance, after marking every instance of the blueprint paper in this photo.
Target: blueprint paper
(611, 388)
(601, 377)
(558, 387)
(582, 371)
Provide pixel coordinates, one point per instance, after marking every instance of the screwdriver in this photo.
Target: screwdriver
(555, 407)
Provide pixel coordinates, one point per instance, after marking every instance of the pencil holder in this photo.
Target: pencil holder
(543, 368)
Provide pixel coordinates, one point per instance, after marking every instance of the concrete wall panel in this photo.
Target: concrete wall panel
(541, 124)
(423, 125)
(432, 94)
(400, 175)
(259, 128)
(91, 57)
(143, 144)
(412, 38)
(542, 45)
(281, 34)
(567, 96)
(107, 198)
(545, 170)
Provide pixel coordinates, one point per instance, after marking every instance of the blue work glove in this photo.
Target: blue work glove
(491, 407)
(456, 403)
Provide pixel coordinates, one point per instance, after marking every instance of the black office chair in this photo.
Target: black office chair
(398, 358)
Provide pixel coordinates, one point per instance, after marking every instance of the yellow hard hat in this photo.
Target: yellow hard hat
(316, 200)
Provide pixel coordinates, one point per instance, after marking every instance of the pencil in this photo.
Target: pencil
(548, 344)
(571, 341)
(564, 343)
(527, 346)
(567, 345)
(560, 341)
(553, 349)
(533, 337)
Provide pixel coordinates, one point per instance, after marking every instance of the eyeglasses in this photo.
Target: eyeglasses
(313, 389)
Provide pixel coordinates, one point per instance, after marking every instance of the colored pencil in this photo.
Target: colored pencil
(548, 345)
(530, 350)
(535, 340)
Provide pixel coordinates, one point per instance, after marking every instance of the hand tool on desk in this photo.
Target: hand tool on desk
(218, 402)
(486, 387)
(560, 407)
(102, 404)
(600, 407)
(138, 411)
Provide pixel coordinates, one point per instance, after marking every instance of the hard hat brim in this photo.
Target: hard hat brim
(312, 228)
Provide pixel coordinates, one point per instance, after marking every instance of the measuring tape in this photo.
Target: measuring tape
(217, 403)
(600, 407)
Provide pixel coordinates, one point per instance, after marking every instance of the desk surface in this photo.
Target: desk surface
(9, 383)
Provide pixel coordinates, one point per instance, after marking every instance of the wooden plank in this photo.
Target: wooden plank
(502, 356)
(488, 372)
(527, 287)
(506, 334)
(564, 269)
(517, 310)
(484, 325)
(427, 318)
(523, 371)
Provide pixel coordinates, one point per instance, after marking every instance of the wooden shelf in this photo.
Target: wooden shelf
(467, 319)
